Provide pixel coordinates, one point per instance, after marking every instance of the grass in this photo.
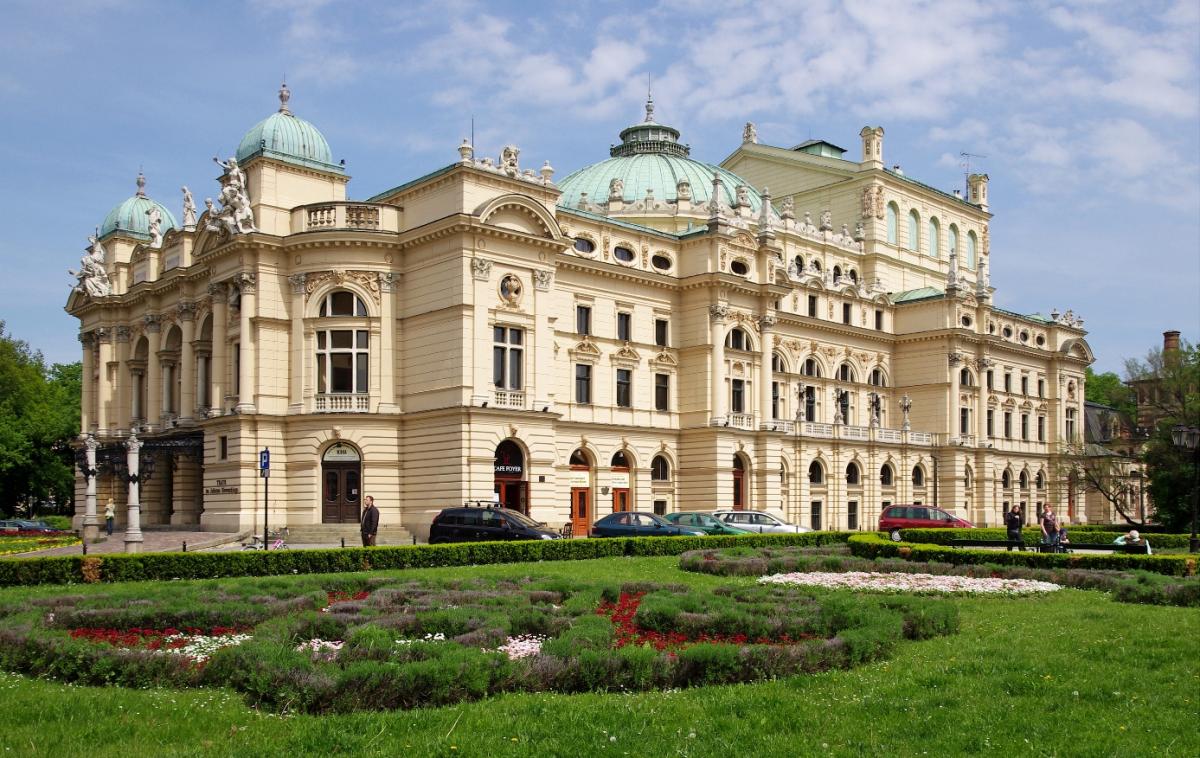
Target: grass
(1071, 673)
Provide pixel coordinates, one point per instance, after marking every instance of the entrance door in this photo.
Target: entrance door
(581, 517)
(620, 500)
(513, 494)
(341, 485)
(739, 484)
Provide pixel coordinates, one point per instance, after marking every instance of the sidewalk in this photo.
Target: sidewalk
(157, 541)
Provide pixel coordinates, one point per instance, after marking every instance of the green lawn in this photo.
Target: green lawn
(1072, 673)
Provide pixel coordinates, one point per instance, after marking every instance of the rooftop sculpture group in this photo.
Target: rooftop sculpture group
(234, 216)
(91, 278)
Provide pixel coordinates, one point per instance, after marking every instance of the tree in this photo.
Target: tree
(1108, 389)
(1169, 389)
(39, 415)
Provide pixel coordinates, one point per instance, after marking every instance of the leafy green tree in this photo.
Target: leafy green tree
(1108, 389)
(39, 414)
(1171, 384)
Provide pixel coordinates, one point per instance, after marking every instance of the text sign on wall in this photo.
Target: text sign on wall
(579, 479)
(620, 480)
(341, 453)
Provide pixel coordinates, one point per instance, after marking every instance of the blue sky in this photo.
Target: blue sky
(1088, 113)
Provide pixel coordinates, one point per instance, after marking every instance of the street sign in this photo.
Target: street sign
(264, 459)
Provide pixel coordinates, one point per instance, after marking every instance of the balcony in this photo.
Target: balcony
(735, 421)
(364, 217)
(963, 440)
(778, 425)
(347, 402)
(513, 399)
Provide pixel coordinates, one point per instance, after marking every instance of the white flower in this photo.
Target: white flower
(522, 646)
(860, 580)
(199, 647)
(321, 650)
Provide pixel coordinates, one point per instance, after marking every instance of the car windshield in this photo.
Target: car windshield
(520, 519)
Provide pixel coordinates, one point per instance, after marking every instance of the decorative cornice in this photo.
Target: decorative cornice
(219, 292)
(388, 281)
(186, 310)
(542, 280)
(297, 281)
(481, 268)
(718, 312)
(152, 322)
(246, 281)
(123, 333)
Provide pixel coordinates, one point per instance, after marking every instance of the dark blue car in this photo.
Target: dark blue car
(639, 524)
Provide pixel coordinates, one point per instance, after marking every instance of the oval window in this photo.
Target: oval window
(584, 245)
(623, 254)
(739, 267)
(1007, 332)
(661, 262)
(1040, 340)
(1024, 336)
(966, 320)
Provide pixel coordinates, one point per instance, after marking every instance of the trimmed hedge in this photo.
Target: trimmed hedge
(1033, 536)
(877, 545)
(159, 566)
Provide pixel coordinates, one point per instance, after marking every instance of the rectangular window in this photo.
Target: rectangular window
(738, 402)
(583, 383)
(964, 421)
(852, 515)
(624, 387)
(812, 306)
(1041, 387)
(583, 319)
(237, 368)
(222, 448)
(815, 515)
(507, 353)
(991, 423)
(1024, 426)
(624, 326)
(1008, 382)
(660, 507)
(662, 392)
(878, 320)
(661, 337)
(991, 380)
(846, 313)
(1041, 428)
(1024, 385)
(1007, 425)
(774, 399)
(343, 357)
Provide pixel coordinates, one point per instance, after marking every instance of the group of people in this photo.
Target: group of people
(1054, 531)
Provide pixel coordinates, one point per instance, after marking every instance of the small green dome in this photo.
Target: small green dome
(130, 216)
(650, 156)
(286, 137)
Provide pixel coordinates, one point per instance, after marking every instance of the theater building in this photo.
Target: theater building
(650, 332)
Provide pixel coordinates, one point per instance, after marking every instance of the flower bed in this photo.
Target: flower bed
(404, 644)
(920, 583)
(12, 543)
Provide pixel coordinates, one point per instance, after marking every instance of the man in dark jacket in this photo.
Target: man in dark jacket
(370, 522)
(1012, 521)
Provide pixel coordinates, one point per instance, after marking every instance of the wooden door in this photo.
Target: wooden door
(341, 492)
(739, 489)
(620, 500)
(581, 515)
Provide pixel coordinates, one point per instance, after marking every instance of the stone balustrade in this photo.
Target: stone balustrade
(366, 217)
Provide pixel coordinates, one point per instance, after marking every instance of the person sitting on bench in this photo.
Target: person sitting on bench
(1132, 538)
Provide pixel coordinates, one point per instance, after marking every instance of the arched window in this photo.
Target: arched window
(1024, 480)
(777, 364)
(877, 378)
(837, 274)
(967, 479)
(892, 212)
(844, 406)
(810, 403)
(1040, 480)
(342, 303)
(580, 458)
(918, 476)
(914, 230)
(738, 339)
(853, 276)
(815, 264)
(1006, 480)
(812, 368)
(660, 469)
(886, 475)
(846, 372)
(964, 377)
(953, 239)
(816, 473)
(619, 460)
(970, 259)
(934, 238)
(799, 263)
(852, 473)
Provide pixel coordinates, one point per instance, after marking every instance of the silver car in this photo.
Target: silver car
(759, 522)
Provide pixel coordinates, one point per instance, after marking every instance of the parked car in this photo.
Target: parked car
(26, 525)
(483, 524)
(759, 522)
(639, 524)
(9, 525)
(897, 517)
(704, 522)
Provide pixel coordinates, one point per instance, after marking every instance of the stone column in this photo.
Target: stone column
(91, 522)
(388, 282)
(123, 404)
(154, 385)
(767, 375)
(187, 362)
(247, 283)
(104, 391)
(297, 351)
(717, 314)
(220, 339)
(133, 526)
(88, 390)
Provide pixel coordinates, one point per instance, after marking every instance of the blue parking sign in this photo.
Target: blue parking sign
(264, 459)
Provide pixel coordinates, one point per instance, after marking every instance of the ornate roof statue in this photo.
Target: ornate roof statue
(154, 224)
(189, 210)
(234, 216)
(750, 133)
(91, 278)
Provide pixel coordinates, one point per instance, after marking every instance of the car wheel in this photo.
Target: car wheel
(895, 535)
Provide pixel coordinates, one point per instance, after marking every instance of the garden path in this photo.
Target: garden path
(155, 541)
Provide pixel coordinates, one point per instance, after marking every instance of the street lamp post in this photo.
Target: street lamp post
(1188, 438)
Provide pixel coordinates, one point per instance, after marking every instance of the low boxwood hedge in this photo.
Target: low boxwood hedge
(1033, 536)
(158, 566)
(877, 545)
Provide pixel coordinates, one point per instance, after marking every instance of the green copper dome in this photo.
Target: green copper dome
(130, 216)
(650, 157)
(286, 137)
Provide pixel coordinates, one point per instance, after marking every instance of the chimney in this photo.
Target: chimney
(1170, 341)
(978, 184)
(872, 146)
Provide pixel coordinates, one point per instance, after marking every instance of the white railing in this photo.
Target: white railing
(508, 399)
(966, 440)
(741, 420)
(888, 435)
(855, 433)
(778, 425)
(817, 429)
(347, 402)
(920, 438)
(343, 215)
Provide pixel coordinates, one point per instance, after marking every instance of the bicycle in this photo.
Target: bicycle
(277, 537)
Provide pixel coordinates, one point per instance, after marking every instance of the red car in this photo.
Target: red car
(897, 517)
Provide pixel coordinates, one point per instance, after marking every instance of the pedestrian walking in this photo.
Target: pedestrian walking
(369, 526)
(110, 515)
(1013, 522)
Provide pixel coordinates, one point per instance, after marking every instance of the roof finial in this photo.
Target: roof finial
(284, 95)
(649, 102)
(141, 183)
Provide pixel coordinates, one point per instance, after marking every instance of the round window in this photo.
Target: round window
(1040, 340)
(584, 245)
(739, 267)
(623, 254)
(966, 320)
(661, 262)
(1024, 336)
(1007, 332)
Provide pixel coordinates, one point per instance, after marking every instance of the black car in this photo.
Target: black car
(484, 524)
(640, 524)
